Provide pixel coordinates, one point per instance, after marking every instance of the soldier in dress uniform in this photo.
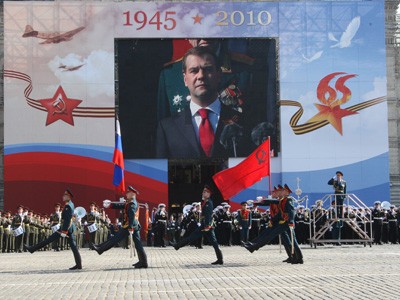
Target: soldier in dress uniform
(227, 225)
(1, 231)
(218, 221)
(130, 227)
(282, 222)
(15, 225)
(264, 221)
(385, 228)
(28, 231)
(7, 232)
(340, 188)
(160, 219)
(90, 222)
(114, 228)
(300, 228)
(206, 227)
(171, 229)
(244, 218)
(377, 214)
(255, 221)
(393, 226)
(55, 220)
(66, 230)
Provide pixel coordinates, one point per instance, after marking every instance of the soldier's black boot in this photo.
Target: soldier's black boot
(103, 247)
(290, 258)
(298, 257)
(36, 247)
(142, 263)
(249, 246)
(179, 245)
(78, 260)
(220, 260)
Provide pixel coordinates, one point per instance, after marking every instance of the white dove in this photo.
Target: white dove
(347, 35)
(314, 57)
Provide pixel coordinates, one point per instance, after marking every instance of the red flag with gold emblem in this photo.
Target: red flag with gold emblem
(251, 170)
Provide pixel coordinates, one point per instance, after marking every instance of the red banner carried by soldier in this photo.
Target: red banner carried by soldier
(256, 166)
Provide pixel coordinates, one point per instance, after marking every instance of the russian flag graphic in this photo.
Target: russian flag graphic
(118, 160)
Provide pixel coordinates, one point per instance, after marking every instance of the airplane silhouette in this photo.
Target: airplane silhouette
(69, 68)
(51, 37)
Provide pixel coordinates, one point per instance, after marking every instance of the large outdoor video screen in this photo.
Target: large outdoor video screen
(151, 88)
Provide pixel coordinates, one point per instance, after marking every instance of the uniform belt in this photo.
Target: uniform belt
(245, 219)
(227, 221)
(165, 221)
(378, 218)
(256, 220)
(392, 220)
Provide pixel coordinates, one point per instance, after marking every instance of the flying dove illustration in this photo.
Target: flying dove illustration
(347, 35)
(314, 57)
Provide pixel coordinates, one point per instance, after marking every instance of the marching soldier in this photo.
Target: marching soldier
(206, 227)
(244, 218)
(282, 222)
(67, 229)
(130, 227)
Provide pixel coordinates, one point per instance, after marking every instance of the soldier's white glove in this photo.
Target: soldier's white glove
(63, 234)
(106, 203)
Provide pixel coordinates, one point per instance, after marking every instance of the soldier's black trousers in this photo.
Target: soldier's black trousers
(71, 241)
(123, 233)
(210, 235)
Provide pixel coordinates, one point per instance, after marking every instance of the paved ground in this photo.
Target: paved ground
(329, 272)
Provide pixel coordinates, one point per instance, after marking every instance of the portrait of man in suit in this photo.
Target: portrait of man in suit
(208, 129)
(153, 97)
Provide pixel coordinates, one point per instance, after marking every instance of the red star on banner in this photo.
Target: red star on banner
(60, 107)
(197, 19)
(333, 115)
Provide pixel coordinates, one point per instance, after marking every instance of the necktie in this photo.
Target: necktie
(206, 132)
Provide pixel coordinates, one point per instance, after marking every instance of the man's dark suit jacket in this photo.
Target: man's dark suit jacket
(176, 137)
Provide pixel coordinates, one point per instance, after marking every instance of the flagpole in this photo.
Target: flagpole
(269, 166)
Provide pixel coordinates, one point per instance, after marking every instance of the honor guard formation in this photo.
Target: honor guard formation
(275, 219)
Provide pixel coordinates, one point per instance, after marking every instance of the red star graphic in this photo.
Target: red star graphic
(60, 107)
(333, 115)
(197, 19)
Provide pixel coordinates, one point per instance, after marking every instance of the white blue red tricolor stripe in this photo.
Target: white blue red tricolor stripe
(118, 160)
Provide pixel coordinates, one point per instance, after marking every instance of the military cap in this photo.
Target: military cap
(208, 188)
(161, 205)
(243, 202)
(131, 189)
(57, 204)
(287, 188)
(68, 192)
(339, 173)
(377, 202)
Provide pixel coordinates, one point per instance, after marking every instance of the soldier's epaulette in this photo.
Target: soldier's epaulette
(243, 58)
(172, 62)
